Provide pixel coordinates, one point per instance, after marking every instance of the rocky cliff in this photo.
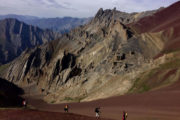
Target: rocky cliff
(16, 36)
(61, 25)
(97, 60)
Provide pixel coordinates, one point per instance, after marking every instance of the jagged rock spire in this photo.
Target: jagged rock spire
(100, 12)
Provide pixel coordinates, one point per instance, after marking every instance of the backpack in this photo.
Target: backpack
(96, 110)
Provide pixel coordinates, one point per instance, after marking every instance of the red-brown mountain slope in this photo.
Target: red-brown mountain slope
(167, 21)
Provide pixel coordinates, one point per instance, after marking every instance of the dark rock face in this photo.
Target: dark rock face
(67, 61)
(99, 13)
(16, 36)
(9, 94)
(33, 60)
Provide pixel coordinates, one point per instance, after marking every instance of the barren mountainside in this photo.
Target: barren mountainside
(16, 36)
(110, 56)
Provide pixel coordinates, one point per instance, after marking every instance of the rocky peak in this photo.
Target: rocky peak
(99, 13)
(106, 16)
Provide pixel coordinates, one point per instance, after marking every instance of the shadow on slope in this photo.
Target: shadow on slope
(9, 94)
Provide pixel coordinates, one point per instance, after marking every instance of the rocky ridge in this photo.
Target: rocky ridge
(97, 60)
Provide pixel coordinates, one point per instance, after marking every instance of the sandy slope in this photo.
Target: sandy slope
(19, 114)
(163, 104)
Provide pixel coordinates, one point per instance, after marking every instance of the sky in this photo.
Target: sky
(76, 8)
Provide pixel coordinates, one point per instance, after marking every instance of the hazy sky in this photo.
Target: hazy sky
(76, 8)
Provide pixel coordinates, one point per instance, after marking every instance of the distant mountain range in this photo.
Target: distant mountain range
(61, 25)
(16, 36)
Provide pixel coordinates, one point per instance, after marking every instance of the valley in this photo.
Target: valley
(117, 61)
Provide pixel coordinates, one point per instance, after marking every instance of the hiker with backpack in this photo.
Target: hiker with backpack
(66, 108)
(124, 115)
(97, 111)
(24, 103)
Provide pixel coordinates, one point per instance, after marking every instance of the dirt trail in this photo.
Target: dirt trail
(163, 104)
(19, 114)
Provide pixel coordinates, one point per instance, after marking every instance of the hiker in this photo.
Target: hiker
(66, 108)
(24, 103)
(124, 115)
(97, 111)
